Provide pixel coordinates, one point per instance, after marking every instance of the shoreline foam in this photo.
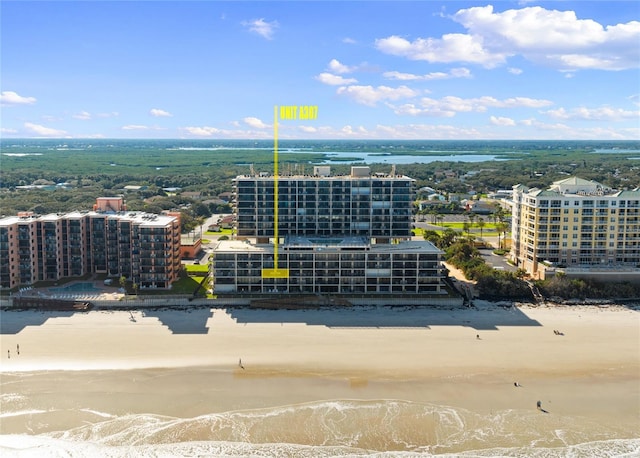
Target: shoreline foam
(185, 364)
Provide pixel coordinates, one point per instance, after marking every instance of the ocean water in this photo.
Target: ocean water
(61, 415)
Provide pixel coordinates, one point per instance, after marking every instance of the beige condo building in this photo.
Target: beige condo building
(575, 224)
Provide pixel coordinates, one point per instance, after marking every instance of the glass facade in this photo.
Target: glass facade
(347, 235)
(373, 207)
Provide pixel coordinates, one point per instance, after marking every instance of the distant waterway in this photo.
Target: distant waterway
(617, 151)
(377, 158)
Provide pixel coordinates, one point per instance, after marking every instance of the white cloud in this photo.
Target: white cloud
(453, 73)
(140, 127)
(427, 109)
(335, 80)
(13, 98)
(336, 66)
(450, 105)
(255, 123)
(514, 71)
(348, 130)
(453, 47)
(84, 115)
(400, 76)
(6, 130)
(43, 131)
(204, 131)
(558, 39)
(369, 95)
(208, 132)
(594, 114)
(261, 27)
(524, 129)
(158, 113)
(349, 41)
(500, 121)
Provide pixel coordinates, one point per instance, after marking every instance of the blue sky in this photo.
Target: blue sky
(376, 70)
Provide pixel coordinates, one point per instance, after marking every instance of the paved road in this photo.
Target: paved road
(495, 261)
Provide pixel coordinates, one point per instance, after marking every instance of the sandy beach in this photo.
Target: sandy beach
(467, 359)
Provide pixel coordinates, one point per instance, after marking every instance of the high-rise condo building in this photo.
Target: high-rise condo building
(576, 223)
(346, 234)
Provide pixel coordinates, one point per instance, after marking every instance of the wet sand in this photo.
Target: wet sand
(421, 355)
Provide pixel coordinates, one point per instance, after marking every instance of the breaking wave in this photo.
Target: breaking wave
(329, 428)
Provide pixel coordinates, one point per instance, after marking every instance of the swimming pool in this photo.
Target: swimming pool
(82, 287)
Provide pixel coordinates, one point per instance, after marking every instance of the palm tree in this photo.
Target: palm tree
(440, 218)
(466, 227)
(433, 212)
(501, 228)
(480, 224)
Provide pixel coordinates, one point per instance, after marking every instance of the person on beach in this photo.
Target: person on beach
(18, 348)
(539, 405)
(9, 354)
(240, 363)
(517, 385)
(478, 336)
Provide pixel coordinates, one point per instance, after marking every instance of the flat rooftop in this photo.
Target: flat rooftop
(141, 218)
(246, 246)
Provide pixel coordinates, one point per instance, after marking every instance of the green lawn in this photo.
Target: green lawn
(220, 232)
(187, 285)
(196, 268)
